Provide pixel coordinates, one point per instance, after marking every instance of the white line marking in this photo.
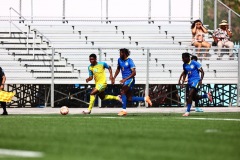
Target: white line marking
(211, 131)
(212, 119)
(20, 153)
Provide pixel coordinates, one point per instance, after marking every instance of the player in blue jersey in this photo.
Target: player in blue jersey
(96, 70)
(191, 69)
(197, 109)
(128, 70)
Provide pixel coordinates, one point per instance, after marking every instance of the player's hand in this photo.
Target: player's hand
(112, 79)
(200, 83)
(87, 80)
(2, 87)
(122, 81)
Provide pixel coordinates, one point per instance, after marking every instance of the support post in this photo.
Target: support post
(100, 59)
(149, 11)
(52, 79)
(106, 11)
(169, 11)
(215, 15)
(191, 11)
(147, 76)
(229, 18)
(63, 11)
(238, 85)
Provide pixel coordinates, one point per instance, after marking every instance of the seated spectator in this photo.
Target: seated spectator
(222, 37)
(198, 32)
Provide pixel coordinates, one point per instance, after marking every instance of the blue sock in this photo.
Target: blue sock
(205, 95)
(124, 100)
(137, 99)
(189, 107)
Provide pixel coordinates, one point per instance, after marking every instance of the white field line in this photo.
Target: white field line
(20, 153)
(212, 119)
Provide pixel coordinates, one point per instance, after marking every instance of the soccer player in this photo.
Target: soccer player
(191, 69)
(128, 69)
(97, 71)
(2, 82)
(197, 109)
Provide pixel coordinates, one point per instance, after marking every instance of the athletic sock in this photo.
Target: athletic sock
(137, 99)
(189, 107)
(110, 97)
(91, 103)
(124, 100)
(3, 104)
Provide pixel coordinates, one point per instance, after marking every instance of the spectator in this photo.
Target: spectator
(222, 37)
(198, 32)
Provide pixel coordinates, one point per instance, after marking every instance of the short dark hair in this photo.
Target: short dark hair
(186, 54)
(194, 58)
(93, 55)
(125, 51)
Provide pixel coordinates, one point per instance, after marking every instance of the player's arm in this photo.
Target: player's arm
(90, 75)
(202, 75)
(181, 76)
(111, 75)
(89, 79)
(130, 76)
(3, 82)
(116, 73)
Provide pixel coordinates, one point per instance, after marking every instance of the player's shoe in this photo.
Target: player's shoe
(148, 100)
(4, 114)
(122, 113)
(197, 109)
(210, 97)
(186, 114)
(120, 98)
(86, 112)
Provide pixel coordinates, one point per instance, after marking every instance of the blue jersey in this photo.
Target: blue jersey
(192, 70)
(126, 67)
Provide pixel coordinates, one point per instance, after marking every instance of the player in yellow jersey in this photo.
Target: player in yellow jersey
(97, 71)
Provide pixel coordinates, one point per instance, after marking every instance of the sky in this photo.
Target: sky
(96, 8)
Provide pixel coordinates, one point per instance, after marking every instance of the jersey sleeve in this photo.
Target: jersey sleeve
(131, 64)
(105, 65)
(198, 65)
(90, 72)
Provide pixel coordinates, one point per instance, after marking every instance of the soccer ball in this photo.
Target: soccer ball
(64, 110)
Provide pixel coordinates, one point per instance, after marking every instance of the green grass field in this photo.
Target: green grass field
(135, 137)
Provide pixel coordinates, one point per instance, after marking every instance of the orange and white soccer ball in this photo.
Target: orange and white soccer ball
(64, 110)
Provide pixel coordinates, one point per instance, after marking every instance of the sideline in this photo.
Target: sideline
(19, 153)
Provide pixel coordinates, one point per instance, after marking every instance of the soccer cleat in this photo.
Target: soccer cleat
(122, 113)
(120, 98)
(148, 100)
(210, 97)
(197, 109)
(4, 114)
(86, 112)
(186, 114)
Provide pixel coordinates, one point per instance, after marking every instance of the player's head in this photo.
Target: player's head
(186, 57)
(194, 58)
(93, 59)
(124, 53)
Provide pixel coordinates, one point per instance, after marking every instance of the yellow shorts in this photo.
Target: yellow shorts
(101, 87)
(6, 96)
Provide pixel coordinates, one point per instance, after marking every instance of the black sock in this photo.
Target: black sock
(3, 104)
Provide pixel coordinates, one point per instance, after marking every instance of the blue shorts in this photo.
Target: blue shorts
(130, 83)
(193, 84)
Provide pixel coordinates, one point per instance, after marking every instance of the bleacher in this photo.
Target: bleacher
(27, 52)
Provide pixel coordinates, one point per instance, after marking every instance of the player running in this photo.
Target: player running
(128, 69)
(191, 69)
(97, 71)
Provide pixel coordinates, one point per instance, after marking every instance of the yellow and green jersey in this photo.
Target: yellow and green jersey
(98, 72)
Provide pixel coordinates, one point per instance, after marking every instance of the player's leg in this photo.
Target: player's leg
(108, 97)
(192, 93)
(4, 106)
(137, 99)
(92, 99)
(205, 95)
(124, 92)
